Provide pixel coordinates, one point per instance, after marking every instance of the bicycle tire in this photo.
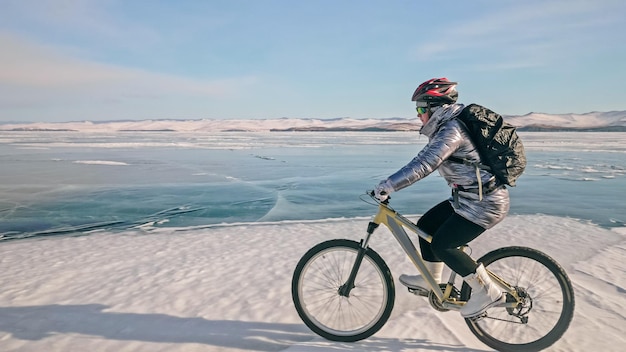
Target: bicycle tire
(315, 291)
(551, 299)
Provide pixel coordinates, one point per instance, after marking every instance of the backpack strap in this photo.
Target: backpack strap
(464, 161)
(477, 166)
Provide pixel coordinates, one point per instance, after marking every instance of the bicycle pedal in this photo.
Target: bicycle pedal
(419, 292)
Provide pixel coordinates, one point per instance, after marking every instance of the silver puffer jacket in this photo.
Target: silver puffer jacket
(446, 137)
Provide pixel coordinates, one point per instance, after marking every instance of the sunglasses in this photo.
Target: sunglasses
(421, 110)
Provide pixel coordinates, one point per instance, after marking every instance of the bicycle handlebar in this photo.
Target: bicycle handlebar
(372, 194)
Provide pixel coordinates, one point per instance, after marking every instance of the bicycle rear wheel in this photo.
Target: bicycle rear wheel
(547, 309)
(315, 291)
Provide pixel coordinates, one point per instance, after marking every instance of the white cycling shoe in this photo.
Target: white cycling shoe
(485, 294)
(417, 282)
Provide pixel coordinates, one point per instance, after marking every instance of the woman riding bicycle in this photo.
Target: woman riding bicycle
(476, 204)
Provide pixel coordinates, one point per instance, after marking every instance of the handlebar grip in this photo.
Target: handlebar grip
(372, 194)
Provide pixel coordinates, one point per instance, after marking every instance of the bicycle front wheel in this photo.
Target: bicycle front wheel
(547, 308)
(317, 279)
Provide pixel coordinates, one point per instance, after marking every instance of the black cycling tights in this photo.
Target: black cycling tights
(449, 231)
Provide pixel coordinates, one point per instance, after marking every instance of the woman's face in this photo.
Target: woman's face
(424, 117)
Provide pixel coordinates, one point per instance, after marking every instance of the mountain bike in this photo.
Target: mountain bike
(344, 291)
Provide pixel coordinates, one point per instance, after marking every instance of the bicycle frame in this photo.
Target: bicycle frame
(396, 224)
(353, 308)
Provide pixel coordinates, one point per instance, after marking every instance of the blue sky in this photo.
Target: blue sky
(68, 60)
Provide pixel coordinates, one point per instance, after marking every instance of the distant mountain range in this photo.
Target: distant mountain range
(593, 121)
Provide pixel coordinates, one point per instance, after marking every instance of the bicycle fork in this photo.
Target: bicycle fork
(344, 290)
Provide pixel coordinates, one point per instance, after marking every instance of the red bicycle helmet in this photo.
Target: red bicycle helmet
(435, 92)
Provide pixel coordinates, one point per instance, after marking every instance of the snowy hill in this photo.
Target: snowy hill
(593, 121)
(598, 121)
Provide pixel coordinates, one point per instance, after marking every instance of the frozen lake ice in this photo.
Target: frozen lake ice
(67, 182)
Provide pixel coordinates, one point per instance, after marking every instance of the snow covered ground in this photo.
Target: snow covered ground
(227, 288)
